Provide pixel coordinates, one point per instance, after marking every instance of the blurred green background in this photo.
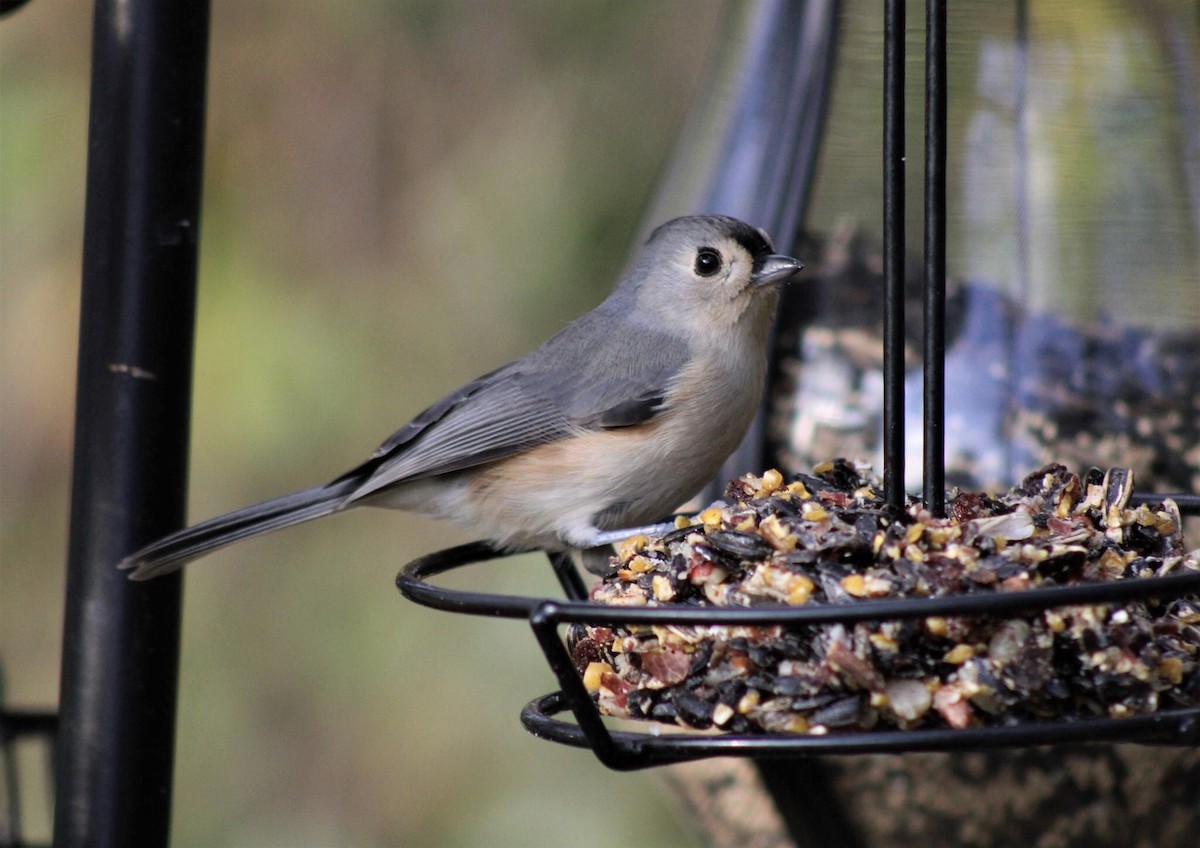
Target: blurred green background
(398, 197)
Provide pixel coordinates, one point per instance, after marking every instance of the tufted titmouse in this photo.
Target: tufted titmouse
(613, 422)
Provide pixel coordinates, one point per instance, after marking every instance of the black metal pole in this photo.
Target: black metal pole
(121, 639)
(893, 251)
(935, 256)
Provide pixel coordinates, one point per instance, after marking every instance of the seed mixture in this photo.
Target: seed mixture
(830, 538)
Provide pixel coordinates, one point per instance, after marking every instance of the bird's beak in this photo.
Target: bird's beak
(776, 270)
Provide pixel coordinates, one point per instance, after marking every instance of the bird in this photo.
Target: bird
(612, 423)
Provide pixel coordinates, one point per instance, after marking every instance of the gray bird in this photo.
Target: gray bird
(612, 423)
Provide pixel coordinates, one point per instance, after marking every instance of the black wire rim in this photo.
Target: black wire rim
(412, 584)
(625, 750)
(634, 749)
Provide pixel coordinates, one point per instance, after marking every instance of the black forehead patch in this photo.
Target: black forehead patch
(751, 238)
(747, 236)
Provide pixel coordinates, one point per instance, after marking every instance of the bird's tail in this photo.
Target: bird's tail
(176, 550)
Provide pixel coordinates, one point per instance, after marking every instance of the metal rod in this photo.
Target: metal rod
(1020, 283)
(1188, 503)
(568, 576)
(641, 749)
(893, 252)
(412, 582)
(934, 406)
(121, 639)
(544, 621)
(1021, 149)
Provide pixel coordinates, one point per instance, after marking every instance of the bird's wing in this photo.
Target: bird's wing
(557, 391)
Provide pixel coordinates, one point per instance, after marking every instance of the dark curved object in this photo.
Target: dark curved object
(9, 6)
(629, 751)
(413, 585)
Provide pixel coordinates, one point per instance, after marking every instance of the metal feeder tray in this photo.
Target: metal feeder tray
(627, 750)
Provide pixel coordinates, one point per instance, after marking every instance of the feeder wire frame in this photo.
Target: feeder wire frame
(625, 750)
(893, 252)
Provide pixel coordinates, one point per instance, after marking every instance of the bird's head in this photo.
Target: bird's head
(711, 273)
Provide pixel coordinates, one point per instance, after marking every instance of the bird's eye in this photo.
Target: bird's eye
(708, 261)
